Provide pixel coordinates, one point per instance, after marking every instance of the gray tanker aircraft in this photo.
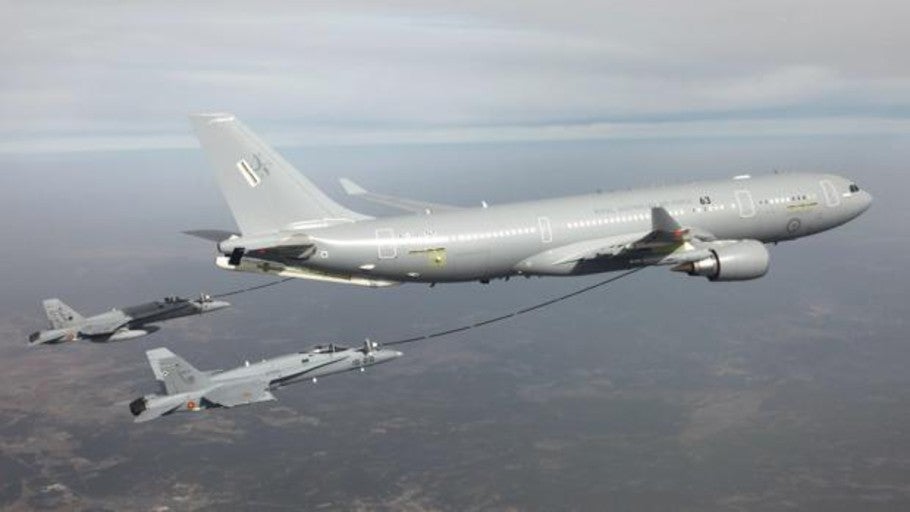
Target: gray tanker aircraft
(716, 229)
(117, 324)
(186, 389)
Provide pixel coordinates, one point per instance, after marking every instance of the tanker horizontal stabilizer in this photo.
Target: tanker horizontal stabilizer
(277, 269)
(212, 235)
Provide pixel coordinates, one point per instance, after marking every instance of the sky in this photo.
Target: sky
(123, 75)
(661, 392)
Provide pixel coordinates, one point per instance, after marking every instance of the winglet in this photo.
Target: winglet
(662, 221)
(351, 188)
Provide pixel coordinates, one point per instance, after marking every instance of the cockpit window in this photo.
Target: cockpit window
(331, 348)
(854, 188)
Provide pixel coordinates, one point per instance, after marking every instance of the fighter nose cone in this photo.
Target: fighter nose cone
(215, 305)
(386, 355)
(865, 201)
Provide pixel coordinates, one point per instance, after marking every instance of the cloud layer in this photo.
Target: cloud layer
(124, 75)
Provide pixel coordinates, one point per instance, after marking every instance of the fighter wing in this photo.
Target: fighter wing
(105, 323)
(410, 205)
(241, 393)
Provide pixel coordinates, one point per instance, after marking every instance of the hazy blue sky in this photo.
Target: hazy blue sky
(663, 392)
(80, 76)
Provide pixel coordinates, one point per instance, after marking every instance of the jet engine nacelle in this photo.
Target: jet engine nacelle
(738, 261)
(53, 336)
(150, 407)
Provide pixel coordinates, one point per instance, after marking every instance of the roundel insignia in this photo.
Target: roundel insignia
(191, 405)
(437, 257)
(793, 225)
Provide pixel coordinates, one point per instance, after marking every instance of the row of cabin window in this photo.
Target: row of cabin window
(495, 234)
(405, 237)
(643, 216)
(790, 199)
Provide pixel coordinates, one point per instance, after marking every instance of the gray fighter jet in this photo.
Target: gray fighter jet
(186, 389)
(117, 324)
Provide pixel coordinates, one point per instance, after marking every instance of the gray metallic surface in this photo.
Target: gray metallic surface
(186, 389)
(301, 233)
(118, 324)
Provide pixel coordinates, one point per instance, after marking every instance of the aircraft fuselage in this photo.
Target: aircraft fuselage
(524, 238)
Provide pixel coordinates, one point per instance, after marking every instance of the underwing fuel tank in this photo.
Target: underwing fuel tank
(128, 334)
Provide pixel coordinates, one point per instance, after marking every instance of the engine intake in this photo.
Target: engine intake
(138, 406)
(739, 261)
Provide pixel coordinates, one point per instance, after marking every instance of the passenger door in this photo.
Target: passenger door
(744, 203)
(386, 244)
(830, 193)
(546, 231)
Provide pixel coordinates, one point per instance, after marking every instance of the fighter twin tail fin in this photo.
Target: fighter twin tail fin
(60, 315)
(174, 373)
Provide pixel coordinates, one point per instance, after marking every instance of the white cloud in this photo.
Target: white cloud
(131, 71)
(320, 136)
